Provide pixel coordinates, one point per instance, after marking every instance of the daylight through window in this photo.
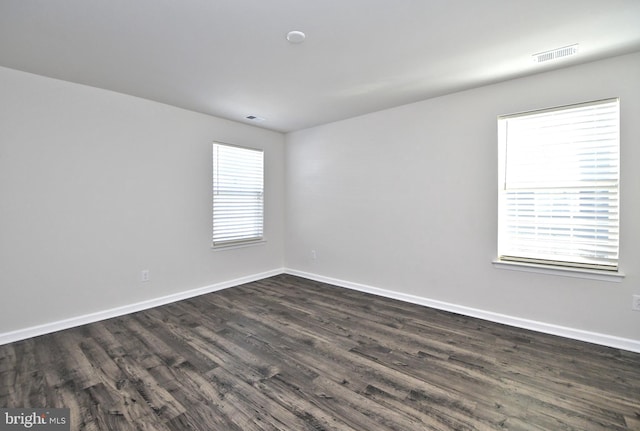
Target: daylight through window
(238, 195)
(559, 178)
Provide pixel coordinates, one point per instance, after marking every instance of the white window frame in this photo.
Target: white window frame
(238, 195)
(569, 259)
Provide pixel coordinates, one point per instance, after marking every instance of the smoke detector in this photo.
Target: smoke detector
(554, 54)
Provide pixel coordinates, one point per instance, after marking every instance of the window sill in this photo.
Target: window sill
(591, 274)
(237, 245)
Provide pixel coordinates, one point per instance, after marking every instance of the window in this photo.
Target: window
(238, 192)
(559, 197)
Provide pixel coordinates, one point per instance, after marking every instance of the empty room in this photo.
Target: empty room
(356, 215)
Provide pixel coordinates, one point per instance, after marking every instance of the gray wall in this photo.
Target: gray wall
(406, 200)
(96, 186)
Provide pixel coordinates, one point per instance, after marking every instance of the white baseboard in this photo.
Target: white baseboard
(576, 334)
(547, 328)
(34, 331)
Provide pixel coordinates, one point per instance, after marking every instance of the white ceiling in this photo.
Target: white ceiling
(230, 58)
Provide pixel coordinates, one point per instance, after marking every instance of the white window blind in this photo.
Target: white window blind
(238, 191)
(559, 197)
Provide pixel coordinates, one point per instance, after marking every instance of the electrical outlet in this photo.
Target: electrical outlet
(314, 255)
(145, 275)
(635, 305)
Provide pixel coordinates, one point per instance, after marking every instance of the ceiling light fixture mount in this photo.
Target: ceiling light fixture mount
(296, 36)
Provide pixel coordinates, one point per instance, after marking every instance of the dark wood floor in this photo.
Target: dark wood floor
(287, 353)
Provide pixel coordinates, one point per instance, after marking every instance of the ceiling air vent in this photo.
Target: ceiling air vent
(554, 54)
